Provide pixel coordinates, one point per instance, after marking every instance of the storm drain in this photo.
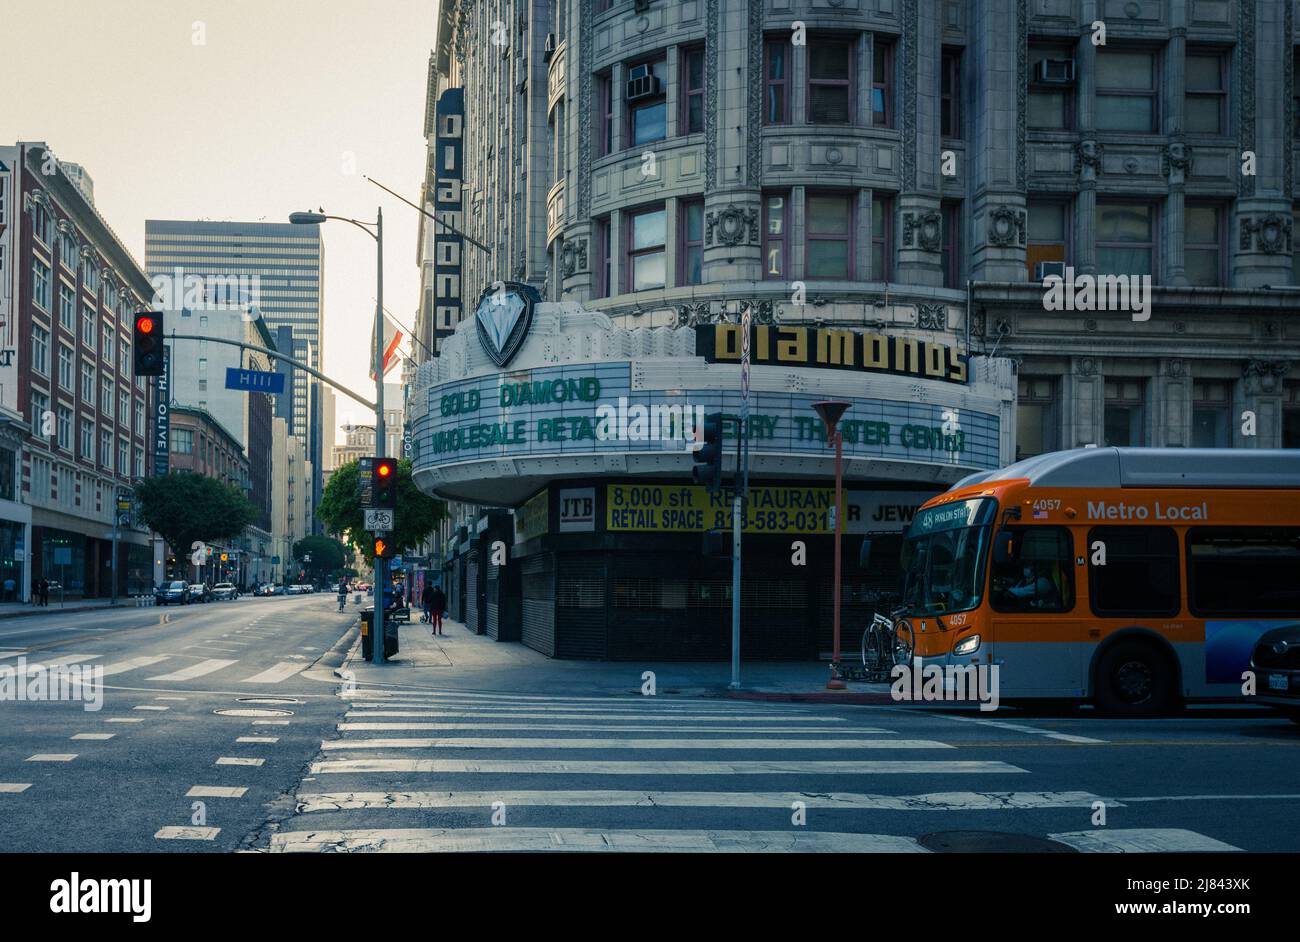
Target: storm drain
(990, 842)
(253, 712)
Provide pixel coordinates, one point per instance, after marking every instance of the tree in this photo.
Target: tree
(187, 508)
(327, 555)
(340, 510)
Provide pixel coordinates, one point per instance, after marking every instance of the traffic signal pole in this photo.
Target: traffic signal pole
(381, 438)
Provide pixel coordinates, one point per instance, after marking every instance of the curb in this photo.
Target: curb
(855, 698)
(66, 610)
(339, 650)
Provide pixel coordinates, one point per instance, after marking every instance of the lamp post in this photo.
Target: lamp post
(377, 623)
(830, 411)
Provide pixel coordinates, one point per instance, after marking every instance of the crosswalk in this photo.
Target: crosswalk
(445, 771)
(184, 667)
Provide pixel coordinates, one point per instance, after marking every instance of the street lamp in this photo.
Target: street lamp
(830, 411)
(308, 219)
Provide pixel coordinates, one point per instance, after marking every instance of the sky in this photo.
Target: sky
(241, 110)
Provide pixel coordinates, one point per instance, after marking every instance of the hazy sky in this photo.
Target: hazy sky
(283, 106)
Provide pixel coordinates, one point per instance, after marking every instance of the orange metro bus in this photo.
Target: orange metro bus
(1132, 577)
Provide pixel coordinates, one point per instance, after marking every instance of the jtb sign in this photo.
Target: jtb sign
(254, 380)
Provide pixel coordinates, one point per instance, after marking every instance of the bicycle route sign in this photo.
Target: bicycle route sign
(379, 520)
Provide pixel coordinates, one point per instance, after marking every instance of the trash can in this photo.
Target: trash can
(390, 636)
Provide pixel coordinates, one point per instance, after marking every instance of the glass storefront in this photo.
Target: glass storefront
(12, 550)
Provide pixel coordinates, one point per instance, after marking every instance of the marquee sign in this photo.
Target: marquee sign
(832, 348)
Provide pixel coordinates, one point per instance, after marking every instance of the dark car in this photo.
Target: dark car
(170, 592)
(1276, 663)
(198, 592)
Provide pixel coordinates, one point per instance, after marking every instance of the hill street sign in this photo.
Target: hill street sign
(254, 380)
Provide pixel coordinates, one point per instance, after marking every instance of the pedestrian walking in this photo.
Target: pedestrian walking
(343, 593)
(438, 603)
(44, 588)
(10, 586)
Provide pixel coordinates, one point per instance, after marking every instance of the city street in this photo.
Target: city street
(471, 745)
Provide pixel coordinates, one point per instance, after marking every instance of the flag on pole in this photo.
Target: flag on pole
(393, 336)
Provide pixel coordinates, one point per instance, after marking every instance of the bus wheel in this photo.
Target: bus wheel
(1134, 679)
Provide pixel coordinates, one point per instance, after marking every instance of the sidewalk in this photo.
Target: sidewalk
(470, 662)
(26, 609)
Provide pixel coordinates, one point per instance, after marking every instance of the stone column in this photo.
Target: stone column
(920, 232)
(1259, 392)
(1082, 403)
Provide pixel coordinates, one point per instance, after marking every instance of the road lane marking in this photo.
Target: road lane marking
(215, 791)
(203, 667)
(121, 667)
(632, 767)
(1016, 727)
(125, 719)
(938, 801)
(261, 739)
(460, 714)
(171, 698)
(186, 834)
(96, 736)
(575, 743)
(52, 757)
(234, 760)
(603, 728)
(485, 709)
(13, 788)
(270, 722)
(1140, 841)
(417, 840)
(275, 673)
(154, 709)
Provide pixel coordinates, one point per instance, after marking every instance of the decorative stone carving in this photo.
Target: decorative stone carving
(908, 110)
(1002, 326)
(695, 313)
(1264, 375)
(1180, 327)
(1271, 234)
(1090, 324)
(1175, 369)
(981, 322)
(713, 19)
(732, 226)
(1022, 103)
(1246, 80)
(1087, 156)
(573, 257)
(754, 100)
(692, 314)
(932, 317)
(1177, 156)
(1006, 227)
(1087, 367)
(923, 230)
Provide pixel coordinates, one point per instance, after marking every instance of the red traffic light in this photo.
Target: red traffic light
(144, 325)
(384, 469)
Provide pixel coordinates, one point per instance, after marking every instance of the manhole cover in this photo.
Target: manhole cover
(990, 842)
(253, 712)
(266, 700)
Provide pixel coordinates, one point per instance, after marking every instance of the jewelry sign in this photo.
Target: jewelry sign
(448, 207)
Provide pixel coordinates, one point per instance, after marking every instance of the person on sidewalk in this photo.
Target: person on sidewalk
(45, 592)
(436, 606)
(426, 604)
(10, 585)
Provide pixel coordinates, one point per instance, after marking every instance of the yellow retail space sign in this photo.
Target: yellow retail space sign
(689, 508)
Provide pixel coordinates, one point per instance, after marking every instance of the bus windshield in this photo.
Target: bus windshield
(944, 555)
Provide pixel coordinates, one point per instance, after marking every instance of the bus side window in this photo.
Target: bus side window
(1042, 579)
(1141, 575)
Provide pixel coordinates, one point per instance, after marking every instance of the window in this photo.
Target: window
(1126, 90)
(882, 238)
(123, 358)
(67, 307)
(123, 457)
(1210, 401)
(66, 379)
(950, 250)
(1290, 414)
(830, 82)
(124, 408)
(692, 91)
(775, 226)
(40, 284)
(829, 227)
(1048, 234)
(647, 103)
(88, 327)
(1243, 571)
(1125, 413)
(106, 347)
(106, 398)
(182, 441)
(40, 406)
(40, 349)
(7, 459)
(604, 115)
(69, 253)
(203, 364)
(950, 93)
(1141, 572)
(1125, 239)
(1035, 416)
(139, 461)
(1295, 247)
(1203, 241)
(882, 84)
(65, 428)
(90, 277)
(139, 417)
(776, 88)
(203, 385)
(1205, 104)
(645, 250)
(1051, 103)
(1041, 579)
(106, 449)
(604, 258)
(691, 261)
(87, 383)
(87, 440)
(42, 224)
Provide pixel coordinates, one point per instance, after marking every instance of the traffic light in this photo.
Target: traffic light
(384, 548)
(383, 483)
(708, 457)
(147, 343)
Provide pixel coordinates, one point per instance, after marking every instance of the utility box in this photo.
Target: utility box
(390, 636)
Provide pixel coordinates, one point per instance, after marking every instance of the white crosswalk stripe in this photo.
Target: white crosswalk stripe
(206, 666)
(275, 674)
(573, 774)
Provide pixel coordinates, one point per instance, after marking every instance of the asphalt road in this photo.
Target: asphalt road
(401, 767)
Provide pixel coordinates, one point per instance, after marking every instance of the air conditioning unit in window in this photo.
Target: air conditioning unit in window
(641, 6)
(549, 49)
(641, 83)
(1054, 72)
(1047, 269)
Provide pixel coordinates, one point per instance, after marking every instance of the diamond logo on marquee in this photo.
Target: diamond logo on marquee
(505, 312)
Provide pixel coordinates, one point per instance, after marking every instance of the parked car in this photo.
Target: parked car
(198, 592)
(170, 592)
(224, 592)
(270, 589)
(1276, 663)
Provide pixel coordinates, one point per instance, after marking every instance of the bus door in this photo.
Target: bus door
(1038, 640)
